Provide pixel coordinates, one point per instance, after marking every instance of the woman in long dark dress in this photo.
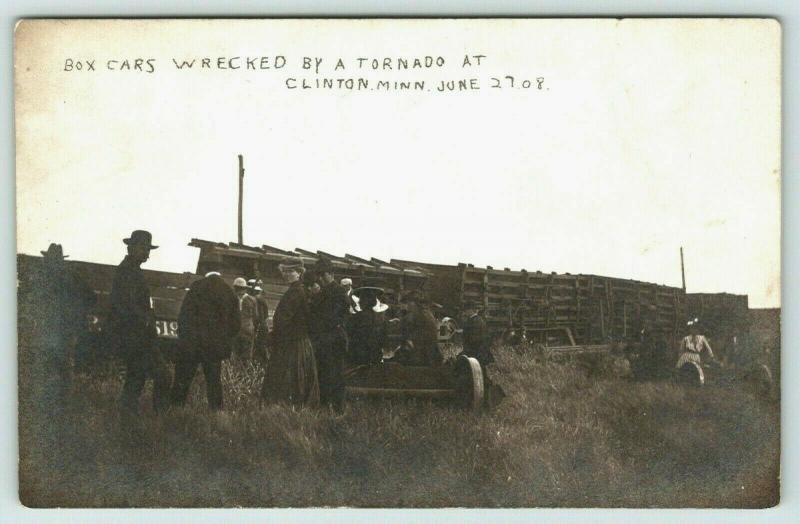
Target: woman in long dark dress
(292, 371)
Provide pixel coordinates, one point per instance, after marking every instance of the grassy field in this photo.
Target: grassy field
(560, 438)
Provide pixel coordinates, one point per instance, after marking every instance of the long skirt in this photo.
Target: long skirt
(688, 356)
(291, 374)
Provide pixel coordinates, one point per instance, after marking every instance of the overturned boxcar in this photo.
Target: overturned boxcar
(238, 260)
(167, 291)
(555, 310)
(558, 308)
(564, 310)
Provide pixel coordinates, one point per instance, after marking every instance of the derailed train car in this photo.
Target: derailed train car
(168, 288)
(571, 314)
(167, 292)
(460, 381)
(237, 260)
(558, 310)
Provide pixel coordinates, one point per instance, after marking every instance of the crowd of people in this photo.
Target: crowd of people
(320, 326)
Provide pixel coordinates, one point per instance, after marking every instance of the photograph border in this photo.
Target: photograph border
(784, 12)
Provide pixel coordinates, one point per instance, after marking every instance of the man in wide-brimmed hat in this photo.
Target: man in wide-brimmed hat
(54, 253)
(132, 323)
(330, 309)
(58, 302)
(66, 297)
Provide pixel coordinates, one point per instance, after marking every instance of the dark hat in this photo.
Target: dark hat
(309, 279)
(141, 238)
(323, 265)
(368, 291)
(54, 251)
(295, 263)
(369, 296)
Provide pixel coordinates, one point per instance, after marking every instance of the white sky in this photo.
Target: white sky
(651, 134)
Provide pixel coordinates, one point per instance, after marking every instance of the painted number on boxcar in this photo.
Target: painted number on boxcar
(167, 328)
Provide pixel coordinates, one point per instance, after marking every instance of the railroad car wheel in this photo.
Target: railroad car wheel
(469, 380)
(691, 373)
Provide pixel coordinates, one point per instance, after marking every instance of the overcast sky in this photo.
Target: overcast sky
(646, 136)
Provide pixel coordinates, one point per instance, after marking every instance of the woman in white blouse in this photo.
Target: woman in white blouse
(693, 345)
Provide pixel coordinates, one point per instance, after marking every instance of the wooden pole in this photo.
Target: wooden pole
(683, 274)
(241, 193)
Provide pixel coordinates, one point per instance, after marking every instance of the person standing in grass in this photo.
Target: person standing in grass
(291, 375)
(477, 344)
(57, 302)
(693, 345)
(331, 308)
(476, 336)
(248, 308)
(61, 302)
(262, 329)
(132, 323)
(208, 324)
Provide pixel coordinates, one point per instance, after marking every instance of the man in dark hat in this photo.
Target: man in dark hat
(60, 303)
(420, 332)
(132, 324)
(368, 328)
(208, 325)
(329, 309)
(475, 335)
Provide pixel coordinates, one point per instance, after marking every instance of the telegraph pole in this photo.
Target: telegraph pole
(241, 192)
(683, 274)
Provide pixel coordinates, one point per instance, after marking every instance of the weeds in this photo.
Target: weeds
(563, 436)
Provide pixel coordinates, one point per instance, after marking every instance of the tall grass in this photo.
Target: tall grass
(560, 438)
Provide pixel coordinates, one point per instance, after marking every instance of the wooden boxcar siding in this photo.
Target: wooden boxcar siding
(166, 289)
(722, 317)
(233, 260)
(595, 308)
